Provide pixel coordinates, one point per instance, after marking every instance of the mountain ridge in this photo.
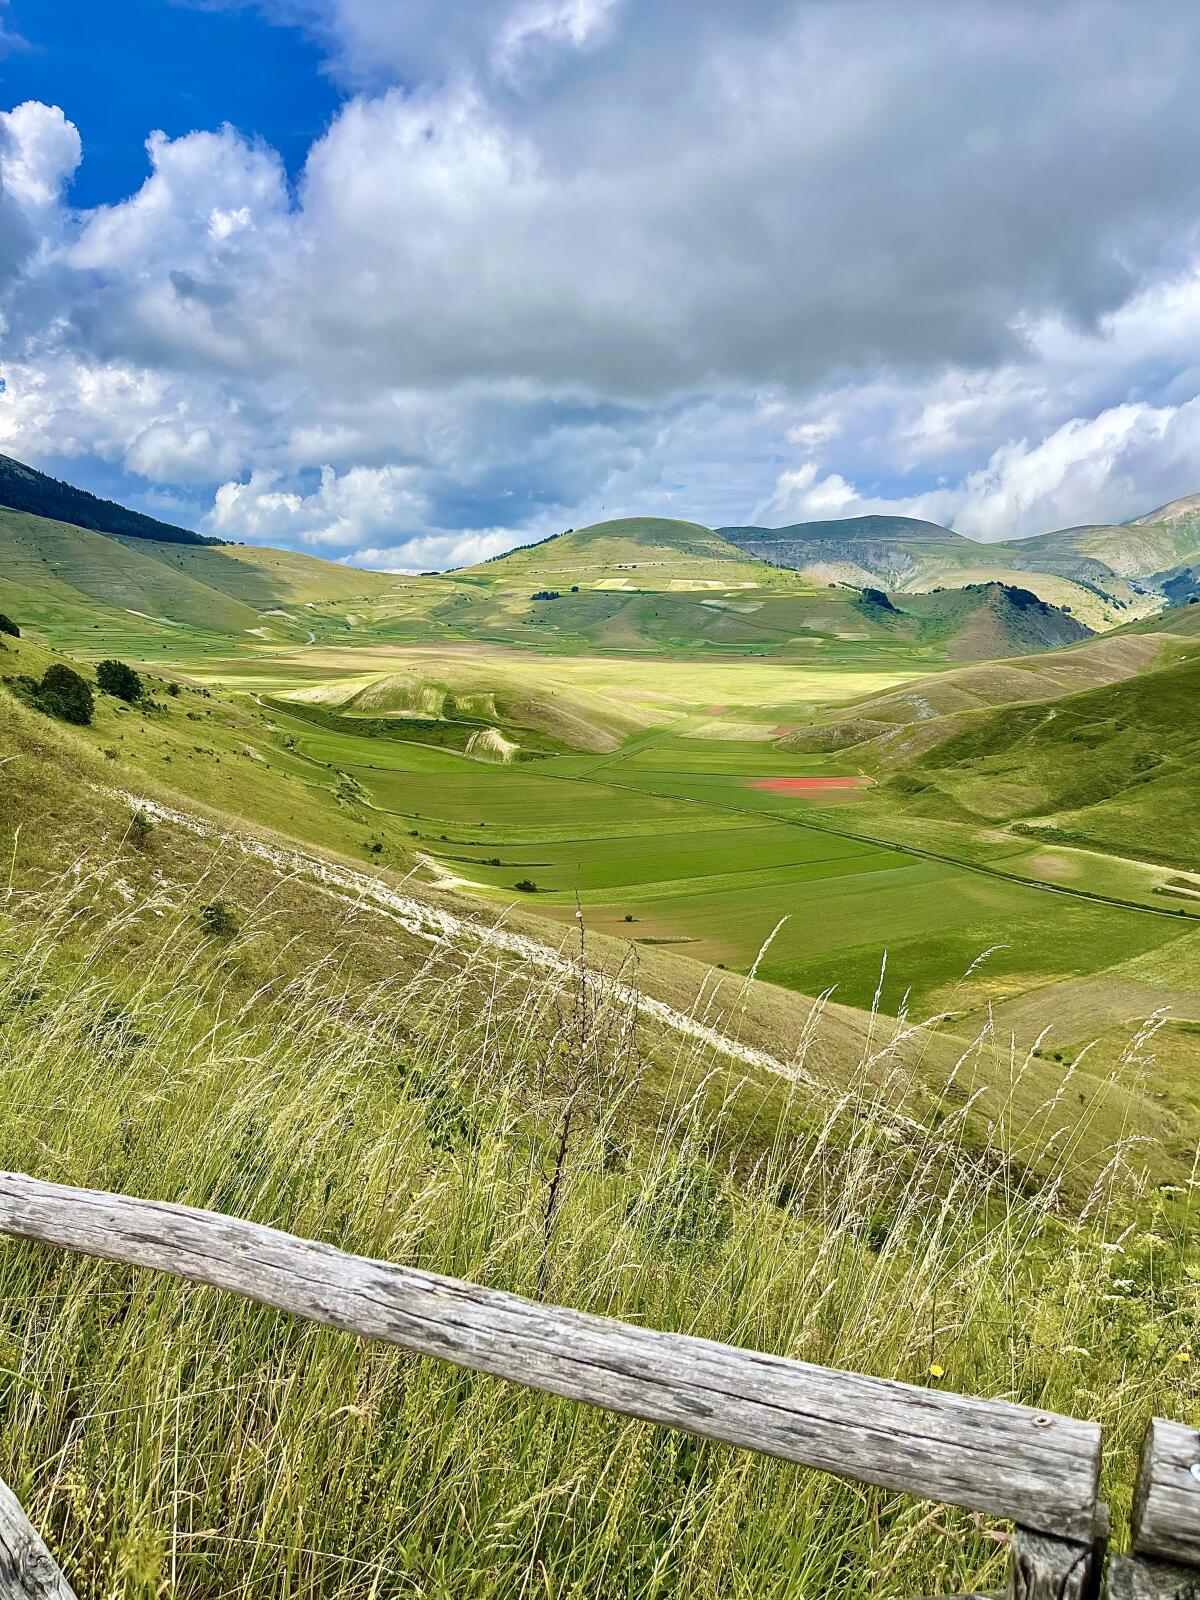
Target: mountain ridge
(24, 488)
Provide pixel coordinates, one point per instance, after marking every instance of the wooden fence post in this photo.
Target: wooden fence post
(27, 1569)
(1165, 1563)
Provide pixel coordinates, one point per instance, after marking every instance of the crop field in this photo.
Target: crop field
(721, 846)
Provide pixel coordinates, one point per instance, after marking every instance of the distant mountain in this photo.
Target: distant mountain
(23, 488)
(1095, 573)
(889, 551)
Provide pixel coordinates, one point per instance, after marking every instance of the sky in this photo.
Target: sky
(403, 283)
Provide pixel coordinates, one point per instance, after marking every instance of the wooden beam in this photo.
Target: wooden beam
(1166, 1510)
(1035, 1468)
(27, 1569)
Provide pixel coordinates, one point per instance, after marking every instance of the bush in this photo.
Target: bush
(140, 830)
(8, 626)
(526, 886)
(218, 920)
(63, 693)
(115, 678)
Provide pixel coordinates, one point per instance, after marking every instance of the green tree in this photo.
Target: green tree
(63, 693)
(8, 626)
(114, 677)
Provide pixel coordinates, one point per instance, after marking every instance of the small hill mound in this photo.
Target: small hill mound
(992, 621)
(23, 488)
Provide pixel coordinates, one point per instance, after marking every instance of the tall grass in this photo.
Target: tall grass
(171, 1440)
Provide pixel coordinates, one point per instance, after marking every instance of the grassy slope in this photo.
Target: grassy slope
(220, 1451)
(95, 595)
(1117, 767)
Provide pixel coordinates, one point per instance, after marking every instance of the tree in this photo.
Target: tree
(8, 626)
(526, 885)
(115, 678)
(63, 693)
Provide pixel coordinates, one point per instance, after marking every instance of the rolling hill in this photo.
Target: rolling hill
(1115, 768)
(660, 550)
(95, 593)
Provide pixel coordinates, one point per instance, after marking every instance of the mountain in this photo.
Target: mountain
(910, 555)
(23, 488)
(888, 551)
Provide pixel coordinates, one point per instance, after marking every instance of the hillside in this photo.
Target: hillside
(1115, 768)
(95, 593)
(23, 488)
(888, 551)
(1134, 550)
(981, 621)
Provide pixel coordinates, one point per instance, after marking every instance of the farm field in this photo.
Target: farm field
(691, 835)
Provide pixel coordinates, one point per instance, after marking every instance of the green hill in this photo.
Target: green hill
(95, 593)
(24, 488)
(1115, 768)
(659, 549)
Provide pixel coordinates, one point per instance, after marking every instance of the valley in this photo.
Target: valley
(840, 804)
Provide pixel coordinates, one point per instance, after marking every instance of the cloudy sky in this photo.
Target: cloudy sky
(405, 282)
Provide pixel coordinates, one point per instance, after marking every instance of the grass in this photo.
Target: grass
(171, 1440)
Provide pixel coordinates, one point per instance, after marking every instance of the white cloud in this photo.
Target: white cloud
(39, 152)
(540, 24)
(825, 257)
(343, 512)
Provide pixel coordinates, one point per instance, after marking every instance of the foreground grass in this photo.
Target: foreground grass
(171, 1440)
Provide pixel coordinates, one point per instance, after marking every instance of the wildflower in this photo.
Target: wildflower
(1183, 1357)
(935, 1371)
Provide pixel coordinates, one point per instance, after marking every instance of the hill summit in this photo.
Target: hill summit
(624, 545)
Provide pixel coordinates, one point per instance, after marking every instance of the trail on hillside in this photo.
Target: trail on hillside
(437, 926)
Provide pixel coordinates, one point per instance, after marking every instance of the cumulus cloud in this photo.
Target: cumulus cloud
(344, 511)
(825, 256)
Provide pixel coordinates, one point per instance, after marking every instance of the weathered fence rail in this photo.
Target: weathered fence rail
(1034, 1468)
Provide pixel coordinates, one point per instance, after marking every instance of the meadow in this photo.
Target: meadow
(167, 1439)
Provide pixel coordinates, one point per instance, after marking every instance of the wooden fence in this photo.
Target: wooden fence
(1034, 1468)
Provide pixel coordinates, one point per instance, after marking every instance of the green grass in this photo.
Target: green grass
(171, 1439)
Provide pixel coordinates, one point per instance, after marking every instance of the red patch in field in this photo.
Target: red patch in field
(807, 785)
(715, 711)
(788, 727)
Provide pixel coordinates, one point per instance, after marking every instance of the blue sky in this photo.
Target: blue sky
(403, 283)
(123, 67)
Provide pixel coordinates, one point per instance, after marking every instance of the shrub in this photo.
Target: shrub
(140, 830)
(218, 919)
(63, 693)
(115, 678)
(8, 626)
(526, 885)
